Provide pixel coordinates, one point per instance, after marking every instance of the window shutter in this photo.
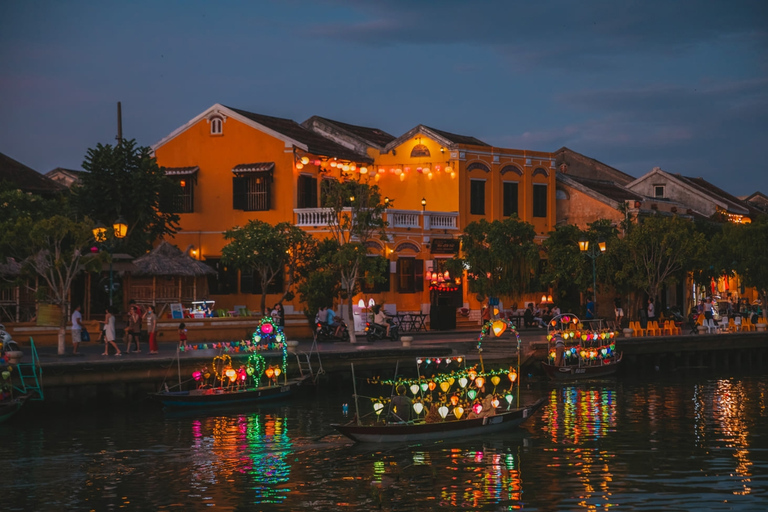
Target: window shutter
(239, 193)
(418, 275)
(313, 193)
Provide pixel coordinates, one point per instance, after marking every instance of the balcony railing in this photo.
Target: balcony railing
(397, 219)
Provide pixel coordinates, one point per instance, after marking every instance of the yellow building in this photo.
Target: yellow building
(236, 165)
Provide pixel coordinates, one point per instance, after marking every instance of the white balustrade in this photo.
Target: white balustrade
(312, 216)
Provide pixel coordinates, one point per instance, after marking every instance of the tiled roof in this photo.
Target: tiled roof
(181, 171)
(28, 180)
(609, 189)
(254, 167)
(376, 136)
(316, 143)
(458, 139)
(736, 204)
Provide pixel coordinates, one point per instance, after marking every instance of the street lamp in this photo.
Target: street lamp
(423, 203)
(119, 231)
(589, 250)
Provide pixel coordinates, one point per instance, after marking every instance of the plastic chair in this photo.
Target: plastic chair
(221, 313)
(638, 331)
(653, 329)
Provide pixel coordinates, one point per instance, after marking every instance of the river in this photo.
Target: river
(672, 443)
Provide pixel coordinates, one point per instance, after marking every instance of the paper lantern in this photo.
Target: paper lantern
(495, 380)
(512, 376)
(270, 372)
(454, 400)
(458, 411)
(431, 385)
(418, 407)
(442, 411)
(478, 408)
(463, 382)
(249, 370)
(363, 170)
(195, 375)
(472, 374)
(453, 175)
(451, 381)
(445, 386)
(499, 326)
(378, 407)
(508, 397)
(495, 402)
(424, 386)
(479, 382)
(278, 371)
(304, 160)
(472, 393)
(267, 328)
(414, 389)
(231, 374)
(299, 165)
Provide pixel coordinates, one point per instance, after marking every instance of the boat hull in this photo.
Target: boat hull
(11, 407)
(405, 433)
(574, 372)
(209, 398)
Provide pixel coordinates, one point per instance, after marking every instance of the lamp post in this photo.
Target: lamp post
(119, 231)
(589, 250)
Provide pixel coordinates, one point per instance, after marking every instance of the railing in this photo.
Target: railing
(317, 217)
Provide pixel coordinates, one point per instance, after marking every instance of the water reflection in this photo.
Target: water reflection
(576, 414)
(255, 446)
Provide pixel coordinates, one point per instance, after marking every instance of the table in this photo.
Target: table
(418, 322)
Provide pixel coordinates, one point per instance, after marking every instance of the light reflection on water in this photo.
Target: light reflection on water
(683, 445)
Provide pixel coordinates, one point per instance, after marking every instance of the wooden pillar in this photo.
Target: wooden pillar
(154, 290)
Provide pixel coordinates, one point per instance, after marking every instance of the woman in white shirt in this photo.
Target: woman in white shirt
(109, 334)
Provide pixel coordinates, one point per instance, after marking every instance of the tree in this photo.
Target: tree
(355, 217)
(499, 257)
(566, 269)
(269, 250)
(322, 282)
(125, 181)
(748, 243)
(55, 252)
(658, 251)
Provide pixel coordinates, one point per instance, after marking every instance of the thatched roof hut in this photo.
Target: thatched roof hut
(168, 260)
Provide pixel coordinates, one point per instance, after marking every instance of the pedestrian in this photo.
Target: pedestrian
(278, 315)
(182, 335)
(486, 313)
(618, 311)
(590, 309)
(651, 310)
(151, 319)
(133, 331)
(77, 330)
(109, 333)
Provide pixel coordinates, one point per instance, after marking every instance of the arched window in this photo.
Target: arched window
(216, 125)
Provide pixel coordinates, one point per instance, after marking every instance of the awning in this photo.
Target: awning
(181, 171)
(255, 167)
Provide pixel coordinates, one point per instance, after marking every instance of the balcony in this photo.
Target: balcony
(397, 219)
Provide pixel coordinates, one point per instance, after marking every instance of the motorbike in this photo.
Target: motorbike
(374, 332)
(325, 332)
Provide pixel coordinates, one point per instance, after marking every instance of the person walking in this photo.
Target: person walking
(77, 330)
(109, 334)
(151, 320)
(133, 331)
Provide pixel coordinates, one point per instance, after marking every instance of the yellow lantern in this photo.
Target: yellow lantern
(499, 326)
(458, 411)
(231, 374)
(120, 228)
(278, 371)
(451, 381)
(304, 160)
(445, 386)
(495, 380)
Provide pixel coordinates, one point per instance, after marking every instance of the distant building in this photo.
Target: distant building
(17, 175)
(66, 177)
(757, 200)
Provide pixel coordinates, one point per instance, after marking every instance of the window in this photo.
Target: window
(184, 200)
(250, 282)
(410, 275)
(367, 285)
(225, 280)
(510, 198)
(539, 200)
(306, 192)
(252, 193)
(216, 126)
(658, 191)
(477, 197)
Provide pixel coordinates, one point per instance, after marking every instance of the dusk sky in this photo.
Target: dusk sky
(682, 85)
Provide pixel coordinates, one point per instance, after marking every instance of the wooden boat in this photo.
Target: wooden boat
(222, 397)
(11, 406)
(587, 354)
(422, 431)
(226, 383)
(575, 371)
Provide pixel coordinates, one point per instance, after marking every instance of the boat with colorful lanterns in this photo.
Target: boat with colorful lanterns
(246, 379)
(576, 352)
(445, 399)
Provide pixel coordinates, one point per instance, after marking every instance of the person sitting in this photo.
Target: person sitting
(400, 406)
(380, 318)
(333, 322)
(528, 320)
(322, 315)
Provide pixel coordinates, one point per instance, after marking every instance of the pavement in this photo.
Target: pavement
(460, 342)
